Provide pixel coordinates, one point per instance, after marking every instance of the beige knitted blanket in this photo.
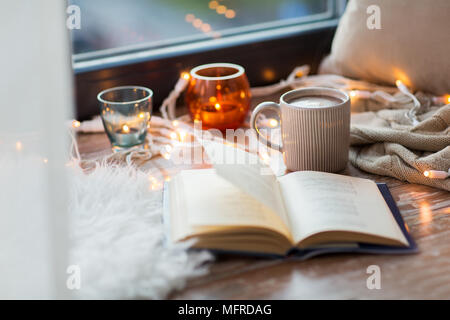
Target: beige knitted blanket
(385, 143)
(383, 139)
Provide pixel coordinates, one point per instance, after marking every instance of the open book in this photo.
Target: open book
(237, 209)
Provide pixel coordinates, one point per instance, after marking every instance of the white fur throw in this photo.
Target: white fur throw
(118, 240)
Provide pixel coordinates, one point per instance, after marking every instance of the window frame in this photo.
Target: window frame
(110, 58)
(143, 64)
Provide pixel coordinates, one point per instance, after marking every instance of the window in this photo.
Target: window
(117, 26)
(150, 42)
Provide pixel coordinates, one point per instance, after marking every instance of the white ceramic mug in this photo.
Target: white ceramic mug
(315, 128)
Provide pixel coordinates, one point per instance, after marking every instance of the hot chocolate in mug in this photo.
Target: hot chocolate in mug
(315, 128)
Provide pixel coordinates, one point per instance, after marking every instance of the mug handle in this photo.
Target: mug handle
(261, 107)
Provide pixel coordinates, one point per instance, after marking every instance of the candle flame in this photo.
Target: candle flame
(76, 123)
(125, 129)
(398, 82)
(19, 146)
(141, 115)
(426, 173)
(217, 106)
(175, 123)
(353, 93)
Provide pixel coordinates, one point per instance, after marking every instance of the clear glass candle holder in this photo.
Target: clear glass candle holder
(126, 112)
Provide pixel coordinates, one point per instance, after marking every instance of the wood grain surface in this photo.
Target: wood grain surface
(425, 275)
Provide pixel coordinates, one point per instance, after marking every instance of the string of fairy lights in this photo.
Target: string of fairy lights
(177, 132)
(222, 9)
(204, 26)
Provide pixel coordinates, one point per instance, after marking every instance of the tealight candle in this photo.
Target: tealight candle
(218, 95)
(127, 136)
(221, 115)
(125, 113)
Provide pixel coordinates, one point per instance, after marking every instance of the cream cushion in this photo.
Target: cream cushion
(413, 44)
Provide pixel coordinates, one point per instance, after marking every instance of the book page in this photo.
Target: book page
(209, 200)
(318, 201)
(246, 171)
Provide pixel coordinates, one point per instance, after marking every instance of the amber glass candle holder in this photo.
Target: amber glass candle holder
(218, 95)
